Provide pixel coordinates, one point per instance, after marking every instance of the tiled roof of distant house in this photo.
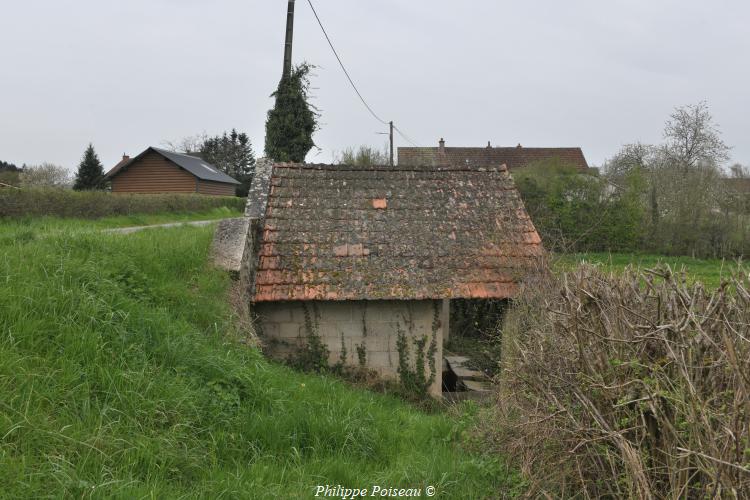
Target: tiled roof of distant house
(513, 157)
(359, 233)
(738, 185)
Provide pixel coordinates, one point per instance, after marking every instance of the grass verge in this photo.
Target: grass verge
(16, 227)
(118, 378)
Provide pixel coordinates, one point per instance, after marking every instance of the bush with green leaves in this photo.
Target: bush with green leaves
(573, 211)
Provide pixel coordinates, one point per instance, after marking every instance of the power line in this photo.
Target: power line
(344, 68)
(404, 136)
(320, 23)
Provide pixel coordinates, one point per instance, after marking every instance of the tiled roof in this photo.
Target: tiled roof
(738, 185)
(513, 157)
(350, 233)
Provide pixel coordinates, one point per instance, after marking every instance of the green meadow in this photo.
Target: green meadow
(120, 378)
(710, 272)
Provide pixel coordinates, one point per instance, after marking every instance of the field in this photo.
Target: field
(119, 378)
(707, 271)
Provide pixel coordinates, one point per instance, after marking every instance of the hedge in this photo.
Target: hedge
(95, 204)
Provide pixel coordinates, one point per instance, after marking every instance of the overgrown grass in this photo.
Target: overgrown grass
(118, 379)
(710, 272)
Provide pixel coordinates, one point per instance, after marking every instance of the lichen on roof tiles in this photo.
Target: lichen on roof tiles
(366, 233)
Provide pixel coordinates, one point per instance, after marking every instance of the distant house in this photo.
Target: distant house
(368, 258)
(160, 171)
(513, 157)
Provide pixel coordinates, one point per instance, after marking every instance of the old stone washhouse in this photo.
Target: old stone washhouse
(362, 255)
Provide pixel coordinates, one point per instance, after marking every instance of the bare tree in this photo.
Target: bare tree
(190, 144)
(693, 138)
(738, 171)
(632, 157)
(363, 156)
(46, 175)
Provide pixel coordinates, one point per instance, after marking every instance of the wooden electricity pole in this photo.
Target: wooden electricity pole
(391, 137)
(288, 43)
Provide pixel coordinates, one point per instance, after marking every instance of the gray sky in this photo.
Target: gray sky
(129, 74)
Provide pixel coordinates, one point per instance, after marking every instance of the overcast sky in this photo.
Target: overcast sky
(133, 73)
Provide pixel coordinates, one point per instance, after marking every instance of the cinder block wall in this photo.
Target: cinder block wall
(374, 324)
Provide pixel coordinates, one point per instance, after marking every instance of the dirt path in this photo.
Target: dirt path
(133, 229)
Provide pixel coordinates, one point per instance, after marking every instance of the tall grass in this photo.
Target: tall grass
(118, 379)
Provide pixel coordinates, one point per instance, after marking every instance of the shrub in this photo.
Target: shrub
(91, 205)
(578, 212)
(629, 387)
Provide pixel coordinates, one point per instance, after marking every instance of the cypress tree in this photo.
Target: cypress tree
(293, 120)
(90, 174)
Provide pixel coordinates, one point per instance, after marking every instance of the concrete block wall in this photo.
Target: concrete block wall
(374, 324)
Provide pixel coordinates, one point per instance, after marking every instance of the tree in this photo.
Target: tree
(45, 175)
(90, 174)
(739, 171)
(233, 154)
(577, 212)
(364, 156)
(190, 144)
(9, 173)
(293, 120)
(630, 158)
(8, 167)
(693, 138)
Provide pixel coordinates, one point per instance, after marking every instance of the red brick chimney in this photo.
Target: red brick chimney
(125, 157)
(441, 147)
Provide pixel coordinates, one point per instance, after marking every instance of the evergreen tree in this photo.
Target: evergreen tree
(90, 174)
(233, 154)
(8, 167)
(293, 120)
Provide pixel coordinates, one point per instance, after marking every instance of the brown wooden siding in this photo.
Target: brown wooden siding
(216, 188)
(154, 174)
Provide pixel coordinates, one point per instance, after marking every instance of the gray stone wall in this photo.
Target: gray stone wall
(372, 324)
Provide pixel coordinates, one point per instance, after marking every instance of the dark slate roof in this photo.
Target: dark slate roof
(366, 233)
(512, 157)
(193, 164)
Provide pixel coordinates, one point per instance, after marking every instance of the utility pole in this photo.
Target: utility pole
(391, 137)
(288, 43)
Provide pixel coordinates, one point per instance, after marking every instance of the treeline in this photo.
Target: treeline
(671, 198)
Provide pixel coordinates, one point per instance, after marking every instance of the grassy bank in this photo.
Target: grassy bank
(36, 202)
(117, 379)
(708, 271)
(50, 225)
